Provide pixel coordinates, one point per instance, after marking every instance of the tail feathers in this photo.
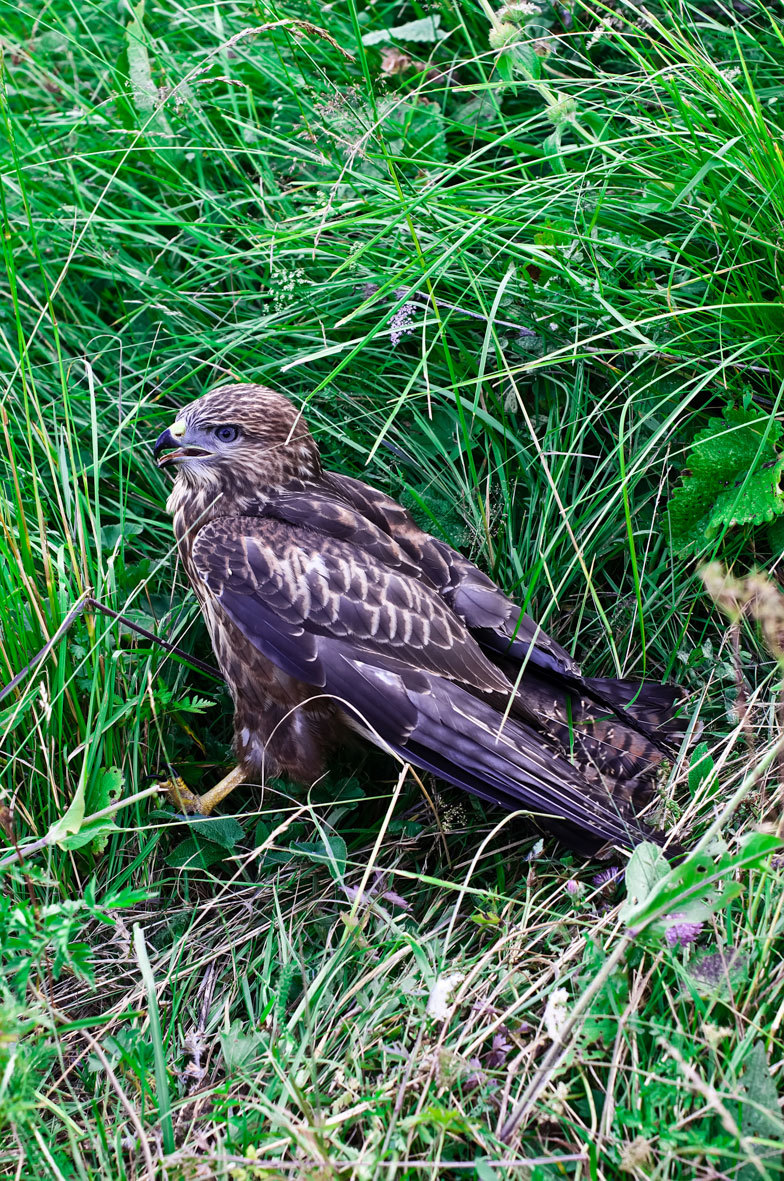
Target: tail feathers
(593, 736)
(457, 738)
(653, 706)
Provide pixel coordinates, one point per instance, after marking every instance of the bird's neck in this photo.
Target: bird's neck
(193, 504)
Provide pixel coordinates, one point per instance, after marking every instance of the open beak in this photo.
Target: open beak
(166, 441)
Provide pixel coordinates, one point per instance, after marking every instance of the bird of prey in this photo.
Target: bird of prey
(333, 614)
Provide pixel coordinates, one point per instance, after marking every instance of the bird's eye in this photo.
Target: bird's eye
(226, 434)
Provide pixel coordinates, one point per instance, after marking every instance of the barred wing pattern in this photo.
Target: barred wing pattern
(355, 622)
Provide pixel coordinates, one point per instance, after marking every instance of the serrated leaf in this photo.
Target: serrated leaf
(527, 61)
(760, 1114)
(424, 30)
(733, 475)
(218, 830)
(754, 500)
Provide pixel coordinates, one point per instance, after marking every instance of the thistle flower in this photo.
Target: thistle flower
(681, 932)
(612, 874)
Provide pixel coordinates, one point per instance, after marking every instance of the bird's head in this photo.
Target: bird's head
(239, 434)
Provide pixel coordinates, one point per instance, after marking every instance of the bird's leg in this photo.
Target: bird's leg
(184, 799)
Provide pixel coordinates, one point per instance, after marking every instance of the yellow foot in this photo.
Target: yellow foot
(181, 796)
(184, 799)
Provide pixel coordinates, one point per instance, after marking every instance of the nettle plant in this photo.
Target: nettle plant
(732, 479)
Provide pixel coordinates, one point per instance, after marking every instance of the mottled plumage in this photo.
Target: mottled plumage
(332, 613)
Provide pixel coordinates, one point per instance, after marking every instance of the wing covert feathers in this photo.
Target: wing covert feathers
(356, 623)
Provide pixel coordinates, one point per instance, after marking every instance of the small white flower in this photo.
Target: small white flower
(402, 323)
(556, 1014)
(438, 1001)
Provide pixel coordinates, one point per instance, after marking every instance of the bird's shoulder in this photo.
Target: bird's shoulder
(276, 578)
(468, 590)
(474, 597)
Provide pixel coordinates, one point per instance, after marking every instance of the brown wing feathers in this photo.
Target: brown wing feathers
(332, 617)
(504, 631)
(315, 585)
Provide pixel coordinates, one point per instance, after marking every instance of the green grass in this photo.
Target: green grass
(183, 202)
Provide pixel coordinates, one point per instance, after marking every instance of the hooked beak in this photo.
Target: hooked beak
(165, 439)
(171, 439)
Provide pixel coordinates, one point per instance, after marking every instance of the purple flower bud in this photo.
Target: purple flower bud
(613, 874)
(573, 887)
(681, 932)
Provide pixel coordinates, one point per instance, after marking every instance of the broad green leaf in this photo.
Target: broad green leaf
(239, 1048)
(104, 790)
(423, 30)
(718, 972)
(97, 833)
(701, 885)
(646, 868)
(190, 854)
(71, 821)
(218, 830)
(415, 131)
(760, 1114)
(111, 534)
(732, 477)
(701, 768)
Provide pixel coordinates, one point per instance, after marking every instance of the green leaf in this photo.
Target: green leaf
(701, 768)
(732, 477)
(424, 30)
(190, 854)
(606, 1010)
(718, 972)
(415, 130)
(97, 833)
(240, 1049)
(103, 790)
(71, 821)
(760, 1114)
(646, 868)
(330, 852)
(218, 830)
(701, 885)
(776, 536)
(527, 61)
(111, 534)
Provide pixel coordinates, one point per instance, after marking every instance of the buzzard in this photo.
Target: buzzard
(333, 614)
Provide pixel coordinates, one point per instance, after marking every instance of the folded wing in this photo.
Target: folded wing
(337, 618)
